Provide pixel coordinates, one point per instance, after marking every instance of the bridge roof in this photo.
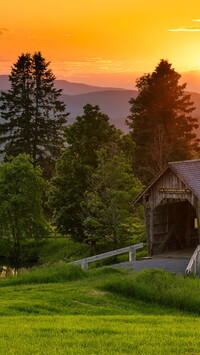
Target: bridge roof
(188, 171)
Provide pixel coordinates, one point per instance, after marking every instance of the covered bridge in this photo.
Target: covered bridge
(172, 207)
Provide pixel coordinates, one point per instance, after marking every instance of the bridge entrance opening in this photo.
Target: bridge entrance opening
(174, 226)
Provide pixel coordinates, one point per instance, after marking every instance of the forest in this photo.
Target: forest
(79, 181)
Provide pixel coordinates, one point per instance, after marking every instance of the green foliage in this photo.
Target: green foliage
(161, 121)
(33, 116)
(21, 213)
(66, 250)
(85, 137)
(161, 287)
(107, 205)
(28, 251)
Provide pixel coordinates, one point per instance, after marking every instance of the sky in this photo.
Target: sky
(102, 42)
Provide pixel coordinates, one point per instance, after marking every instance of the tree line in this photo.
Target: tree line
(87, 174)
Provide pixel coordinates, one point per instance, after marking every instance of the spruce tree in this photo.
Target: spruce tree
(32, 112)
(161, 121)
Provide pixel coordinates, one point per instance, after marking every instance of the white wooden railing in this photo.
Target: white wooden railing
(131, 250)
(194, 262)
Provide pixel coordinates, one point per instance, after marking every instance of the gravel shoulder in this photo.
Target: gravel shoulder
(169, 264)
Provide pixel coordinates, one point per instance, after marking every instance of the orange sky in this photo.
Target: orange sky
(104, 42)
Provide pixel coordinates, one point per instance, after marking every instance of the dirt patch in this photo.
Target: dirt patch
(98, 293)
(85, 304)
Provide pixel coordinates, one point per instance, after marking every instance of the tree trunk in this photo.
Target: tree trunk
(93, 247)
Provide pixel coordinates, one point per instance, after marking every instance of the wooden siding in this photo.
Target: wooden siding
(170, 209)
(169, 181)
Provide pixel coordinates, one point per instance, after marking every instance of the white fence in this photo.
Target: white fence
(194, 262)
(131, 250)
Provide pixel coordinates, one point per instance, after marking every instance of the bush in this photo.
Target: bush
(28, 253)
(62, 249)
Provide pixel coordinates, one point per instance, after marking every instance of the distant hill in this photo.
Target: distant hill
(67, 87)
(4, 83)
(115, 104)
(112, 101)
(79, 88)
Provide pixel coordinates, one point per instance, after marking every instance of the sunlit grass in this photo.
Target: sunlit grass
(131, 334)
(83, 317)
(161, 287)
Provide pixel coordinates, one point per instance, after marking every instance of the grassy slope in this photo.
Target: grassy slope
(78, 317)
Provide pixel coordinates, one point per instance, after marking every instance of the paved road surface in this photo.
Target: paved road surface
(169, 264)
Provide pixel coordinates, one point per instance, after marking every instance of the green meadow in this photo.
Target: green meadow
(93, 313)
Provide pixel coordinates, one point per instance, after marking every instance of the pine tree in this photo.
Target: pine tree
(32, 112)
(161, 122)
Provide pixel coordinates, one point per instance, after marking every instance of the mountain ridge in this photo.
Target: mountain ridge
(112, 101)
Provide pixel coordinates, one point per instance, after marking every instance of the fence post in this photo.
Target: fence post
(194, 267)
(198, 258)
(84, 266)
(132, 255)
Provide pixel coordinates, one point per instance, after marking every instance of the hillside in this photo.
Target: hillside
(79, 88)
(112, 101)
(68, 88)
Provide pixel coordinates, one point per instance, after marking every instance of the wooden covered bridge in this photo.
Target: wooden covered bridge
(172, 208)
(172, 211)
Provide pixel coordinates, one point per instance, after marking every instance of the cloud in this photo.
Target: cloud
(95, 65)
(4, 31)
(186, 29)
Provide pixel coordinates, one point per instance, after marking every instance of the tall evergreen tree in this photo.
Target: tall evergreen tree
(32, 112)
(161, 122)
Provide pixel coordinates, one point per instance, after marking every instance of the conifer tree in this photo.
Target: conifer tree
(161, 121)
(32, 112)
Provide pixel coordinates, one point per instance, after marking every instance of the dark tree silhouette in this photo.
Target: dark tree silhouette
(161, 122)
(32, 112)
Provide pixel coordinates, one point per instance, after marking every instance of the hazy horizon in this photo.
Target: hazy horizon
(192, 78)
(105, 43)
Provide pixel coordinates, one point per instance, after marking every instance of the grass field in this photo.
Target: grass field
(82, 317)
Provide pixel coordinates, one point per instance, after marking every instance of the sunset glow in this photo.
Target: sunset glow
(102, 42)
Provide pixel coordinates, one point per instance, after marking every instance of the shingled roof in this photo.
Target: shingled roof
(188, 171)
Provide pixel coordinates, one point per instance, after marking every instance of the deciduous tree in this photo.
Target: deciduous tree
(107, 210)
(85, 137)
(21, 213)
